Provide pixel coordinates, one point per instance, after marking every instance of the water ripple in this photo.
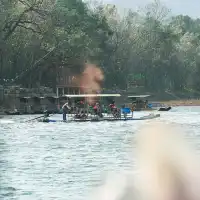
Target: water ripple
(65, 161)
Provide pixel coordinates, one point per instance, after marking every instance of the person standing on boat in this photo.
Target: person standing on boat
(132, 109)
(95, 108)
(65, 109)
(46, 116)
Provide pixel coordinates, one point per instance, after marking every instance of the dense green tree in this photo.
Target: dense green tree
(146, 48)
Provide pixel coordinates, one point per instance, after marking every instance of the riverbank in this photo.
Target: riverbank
(190, 102)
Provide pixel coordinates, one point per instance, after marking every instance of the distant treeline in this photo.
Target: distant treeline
(149, 46)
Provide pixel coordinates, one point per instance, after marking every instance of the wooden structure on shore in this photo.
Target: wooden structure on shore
(37, 105)
(66, 82)
(28, 101)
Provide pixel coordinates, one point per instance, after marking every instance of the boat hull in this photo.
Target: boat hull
(145, 109)
(165, 109)
(103, 119)
(12, 113)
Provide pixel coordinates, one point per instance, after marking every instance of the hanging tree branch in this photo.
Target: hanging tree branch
(21, 20)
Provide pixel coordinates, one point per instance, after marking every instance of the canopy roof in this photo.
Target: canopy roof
(92, 95)
(39, 97)
(139, 96)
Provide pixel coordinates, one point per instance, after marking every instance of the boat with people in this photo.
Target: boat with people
(103, 108)
(141, 103)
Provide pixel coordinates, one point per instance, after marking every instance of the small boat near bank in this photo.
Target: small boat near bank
(140, 103)
(165, 109)
(12, 113)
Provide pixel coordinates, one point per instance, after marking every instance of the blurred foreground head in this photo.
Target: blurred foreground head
(91, 80)
(168, 168)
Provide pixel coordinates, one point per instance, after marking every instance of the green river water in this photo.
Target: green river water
(65, 161)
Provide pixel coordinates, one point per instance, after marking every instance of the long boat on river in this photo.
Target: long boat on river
(88, 115)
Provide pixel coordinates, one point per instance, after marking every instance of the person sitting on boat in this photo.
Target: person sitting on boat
(83, 115)
(112, 106)
(97, 109)
(123, 110)
(146, 104)
(46, 113)
(65, 109)
(80, 107)
(114, 110)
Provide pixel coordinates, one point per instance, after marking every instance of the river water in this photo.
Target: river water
(58, 161)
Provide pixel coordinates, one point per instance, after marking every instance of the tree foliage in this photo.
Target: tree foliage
(147, 47)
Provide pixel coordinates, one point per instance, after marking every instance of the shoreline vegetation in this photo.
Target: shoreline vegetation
(48, 44)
